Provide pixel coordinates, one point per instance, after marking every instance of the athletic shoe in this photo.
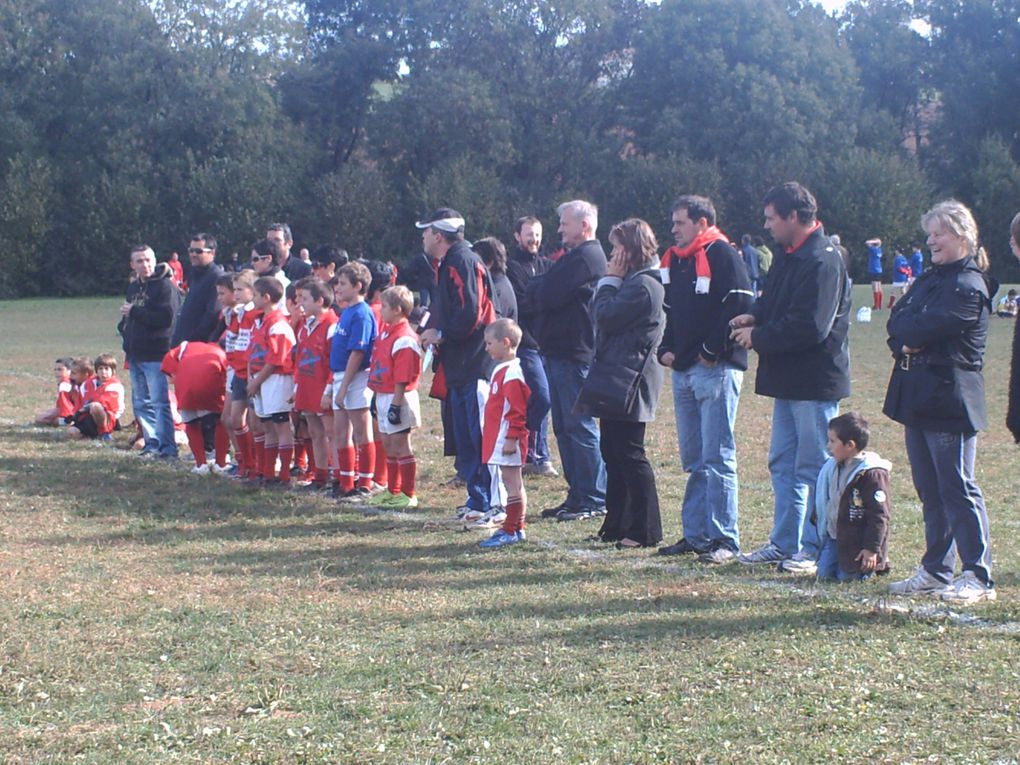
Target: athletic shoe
(402, 502)
(581, 514)
(224, 472)
(801, 563)
(355, 496)
(502, 539)
(718, 555)
(540, 468)
(967, 589)
(377, 488)
(683, 547)
(201, 469)
(920, 583)
(491, 520)
(462, 511)
(554, 512)
(470, 515)
(767, 554)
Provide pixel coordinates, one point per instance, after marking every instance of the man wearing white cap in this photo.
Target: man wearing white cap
(461, 309)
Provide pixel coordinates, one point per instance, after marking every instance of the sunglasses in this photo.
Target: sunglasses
(198, 250)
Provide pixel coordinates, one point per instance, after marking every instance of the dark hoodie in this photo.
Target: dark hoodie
(147, 327)
(200, 314)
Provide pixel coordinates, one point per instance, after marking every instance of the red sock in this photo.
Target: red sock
(300, 455)
(259, 455)
(222, 441)
(193, 430)
(408, 471)
(393, 475)
(269, 461)
(514, 515)
(245, 447)
(381, 468)
(286, 455)
(892, 300)
(345, 464)
(366, 464)
(878, 300)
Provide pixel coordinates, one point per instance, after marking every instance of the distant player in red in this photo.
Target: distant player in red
(199, 374)
(302, 436)
(312, 374)
(102, 401)
(68, 397)
(271, 378)
(504, 433)
(240, 321)
(393, 375)
(384, 276)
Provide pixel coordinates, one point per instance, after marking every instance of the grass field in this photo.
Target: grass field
(152, 616)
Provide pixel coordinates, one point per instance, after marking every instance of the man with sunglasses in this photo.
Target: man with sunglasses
(199, 316)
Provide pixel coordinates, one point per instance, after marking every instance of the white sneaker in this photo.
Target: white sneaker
(220, 471)
(966, 589)
(767, 554)
(490, 520)
(920, 583)
(201, 469)
(801, 563)
(470, 515)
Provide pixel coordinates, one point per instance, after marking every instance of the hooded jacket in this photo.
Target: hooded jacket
(462, 309)
(147, 327)
(200, 314)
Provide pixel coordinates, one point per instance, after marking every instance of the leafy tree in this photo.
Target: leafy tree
(996, 183)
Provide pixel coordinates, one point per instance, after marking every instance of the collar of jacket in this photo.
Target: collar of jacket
(815, 231)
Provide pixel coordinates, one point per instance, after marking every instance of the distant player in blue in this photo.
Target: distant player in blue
(900, 277)
(916, 262)
(875, 271)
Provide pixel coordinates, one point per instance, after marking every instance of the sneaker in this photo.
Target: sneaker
(683, 547)
(355, 496)
(581, 514)
(554, 512)
(502, 539)
(224, 472)
(540, 468)
(462, 511)
(718, 555)
(920, 583)
(801, 563)
(470, 514)
(201, 469)
(767, 554)
(967, 589)
(402, 502)
(491, 520)
(378, 488)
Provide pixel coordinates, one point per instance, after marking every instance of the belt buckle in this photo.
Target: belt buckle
(905, 362)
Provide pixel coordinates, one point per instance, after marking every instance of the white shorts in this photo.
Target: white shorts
(359, 396)
(274, 395)
(410, 412)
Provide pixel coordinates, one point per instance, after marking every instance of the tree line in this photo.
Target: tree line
(147, 120)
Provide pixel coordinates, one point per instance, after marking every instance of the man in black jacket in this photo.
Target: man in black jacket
(560, 301)
(799, 329)
(147, 317)
(707, 286)
(524, 264)
(293, 268)
(200, 313)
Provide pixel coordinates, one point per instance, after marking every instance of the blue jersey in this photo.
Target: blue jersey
(354, 332)
(916, 263)
(900, 270)
(874, 259)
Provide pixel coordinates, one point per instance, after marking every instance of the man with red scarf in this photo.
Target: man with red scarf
(799, 329)
(706, 286)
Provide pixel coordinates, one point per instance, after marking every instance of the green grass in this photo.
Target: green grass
(150, 616)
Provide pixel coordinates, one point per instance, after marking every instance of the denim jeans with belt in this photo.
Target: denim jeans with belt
(150, 401)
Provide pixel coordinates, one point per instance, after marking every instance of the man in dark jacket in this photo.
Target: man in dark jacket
(560, 302)
(524, 264)
(294, 268)
(200, 313)
(421, 278)
(799, 329)
(461, 310)
(147, 317)
(708, 286)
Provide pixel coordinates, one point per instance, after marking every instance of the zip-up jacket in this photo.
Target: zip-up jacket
(147, 327)
(463, 309)
(200, 314)
(521, 268)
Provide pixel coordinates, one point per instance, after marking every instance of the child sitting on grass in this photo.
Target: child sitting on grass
(504, 433)
(852, 504)
(102, 400)
(68, 397)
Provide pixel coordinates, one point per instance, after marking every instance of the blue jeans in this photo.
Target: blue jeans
(577, 436)
(538, 405)
(467, 437)
(150, 400)
(705, 404)
(828, 563)
(800, 431)
(955, 518)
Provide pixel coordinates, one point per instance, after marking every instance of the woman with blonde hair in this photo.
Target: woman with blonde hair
(937, 334)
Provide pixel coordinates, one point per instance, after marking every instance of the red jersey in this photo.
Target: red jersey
(377, 313)
(240, 320)
(200, 375)
(396, 358)
(272, 342)
(68, 397)
(312, 372)
(110, 395)
(505, 411)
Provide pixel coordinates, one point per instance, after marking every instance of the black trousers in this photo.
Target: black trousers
(632, 501)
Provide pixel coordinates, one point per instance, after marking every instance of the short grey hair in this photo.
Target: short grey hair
(581, 210)
(143, 248)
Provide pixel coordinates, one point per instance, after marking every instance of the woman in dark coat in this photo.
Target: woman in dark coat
(629, 321)
(937, 334)
(1013, 410)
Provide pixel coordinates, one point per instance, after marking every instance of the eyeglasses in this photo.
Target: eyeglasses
(255, 258)
(198, 250)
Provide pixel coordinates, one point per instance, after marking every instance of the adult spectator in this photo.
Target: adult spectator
(560, 302)
(421, 278)
(1013, 407)
(234, 264)
(461, 311)
(799, 330)
(937, 334)
(305, 255)
(708, 286)
(752, 262)
(328, 260)
(200, 314)
(764, 260)
(177, 270)
(523, 264)
(844, 253)
(628, 322)
(493, 255)
(266, 257)
(295, 268)
(147, 319)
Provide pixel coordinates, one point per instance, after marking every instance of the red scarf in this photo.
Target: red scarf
(697, 250)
